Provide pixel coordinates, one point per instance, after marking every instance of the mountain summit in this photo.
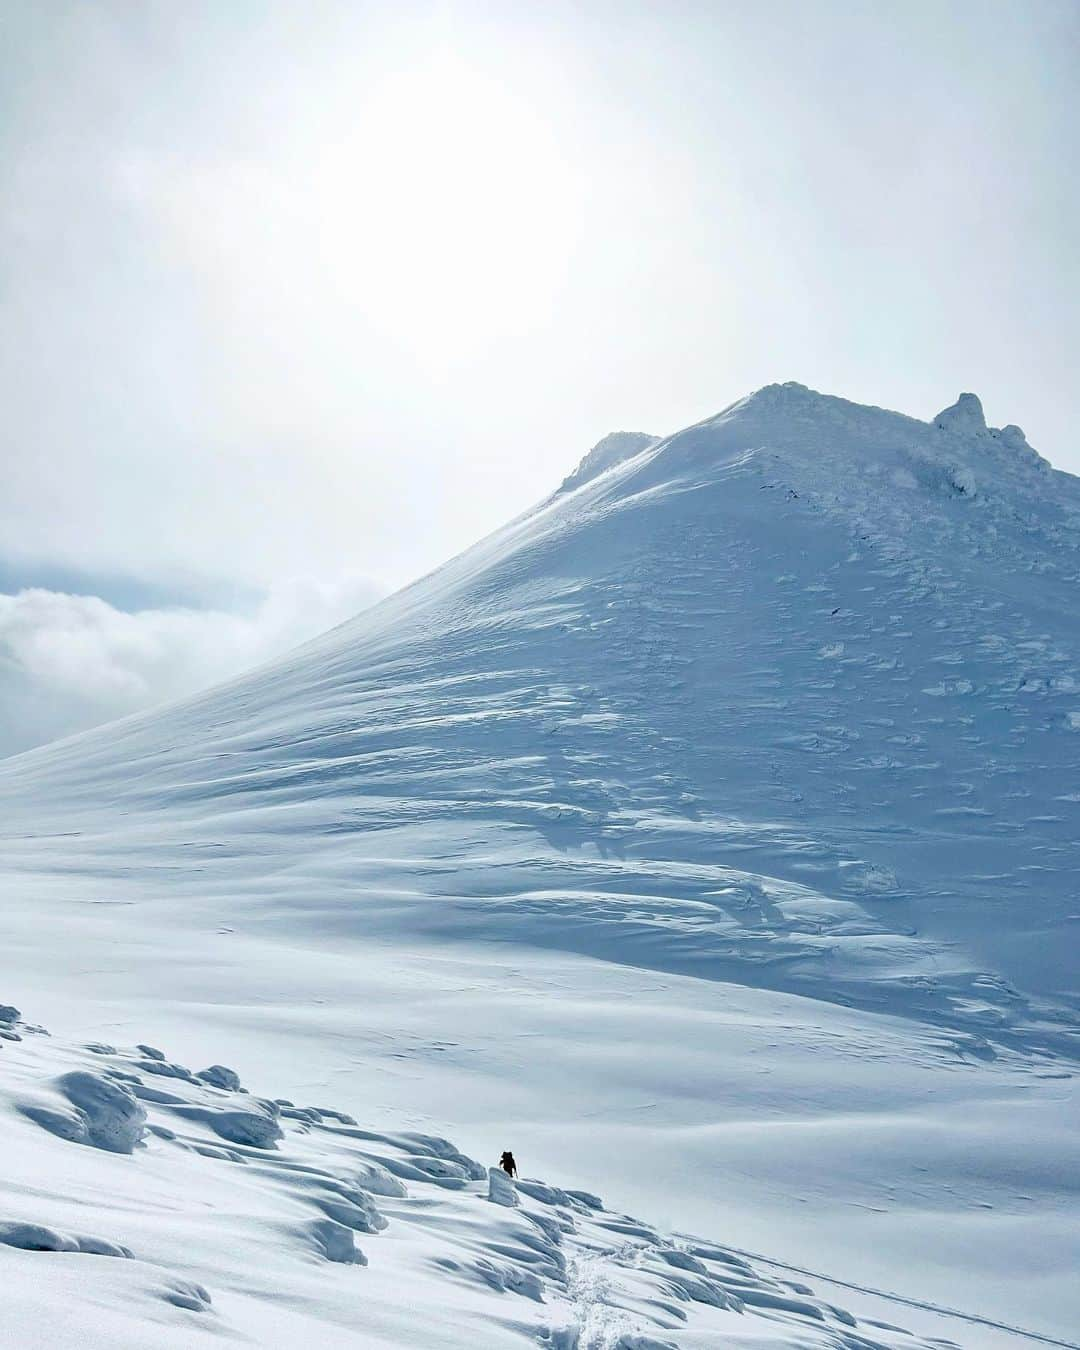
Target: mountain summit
(845, 622)
(752, 748)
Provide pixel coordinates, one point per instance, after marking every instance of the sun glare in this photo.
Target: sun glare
(448, 209)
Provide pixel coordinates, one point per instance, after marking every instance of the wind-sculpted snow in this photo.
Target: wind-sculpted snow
(239, 1246)
(710, 831)
(93, 1110)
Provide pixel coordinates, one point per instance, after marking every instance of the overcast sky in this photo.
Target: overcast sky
(301, 298)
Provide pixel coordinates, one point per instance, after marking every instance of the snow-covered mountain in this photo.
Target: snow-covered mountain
(708, 835)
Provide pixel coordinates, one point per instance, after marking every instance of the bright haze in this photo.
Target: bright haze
(302, 298)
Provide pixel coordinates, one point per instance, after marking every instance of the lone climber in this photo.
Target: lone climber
(508, 1165)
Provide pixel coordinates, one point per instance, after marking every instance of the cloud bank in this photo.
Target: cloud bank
(69, 662)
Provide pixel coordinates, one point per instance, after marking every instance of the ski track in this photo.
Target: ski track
(909, 1302)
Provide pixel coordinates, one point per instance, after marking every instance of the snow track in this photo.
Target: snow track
(935, 1308)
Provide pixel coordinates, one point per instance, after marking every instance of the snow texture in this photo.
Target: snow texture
(708, 836)
(241, 1247)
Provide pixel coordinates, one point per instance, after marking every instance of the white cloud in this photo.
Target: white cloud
(68, 662)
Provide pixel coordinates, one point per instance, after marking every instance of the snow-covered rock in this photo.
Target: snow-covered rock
(965, 416)
(501, 1189)
(219, 1076)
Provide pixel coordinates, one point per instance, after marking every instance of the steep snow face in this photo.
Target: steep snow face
(735, 786)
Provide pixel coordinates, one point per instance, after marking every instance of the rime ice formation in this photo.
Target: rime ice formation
(965, 417)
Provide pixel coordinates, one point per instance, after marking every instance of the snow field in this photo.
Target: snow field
(233, 1235)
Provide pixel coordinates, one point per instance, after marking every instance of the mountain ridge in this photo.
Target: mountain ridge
(963, 423)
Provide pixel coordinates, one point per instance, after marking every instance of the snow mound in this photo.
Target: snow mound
(98, 1111)
(255, 1123)
(184, 1294)
(35, 1237)
(335, 1242)
(240, 1246)
(501, 1189)
(217, 1075)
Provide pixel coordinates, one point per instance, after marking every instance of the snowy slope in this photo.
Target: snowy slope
(709, 834)
(222, 1217)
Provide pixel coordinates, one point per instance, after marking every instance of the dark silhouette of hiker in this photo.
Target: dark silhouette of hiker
(508, 1165)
